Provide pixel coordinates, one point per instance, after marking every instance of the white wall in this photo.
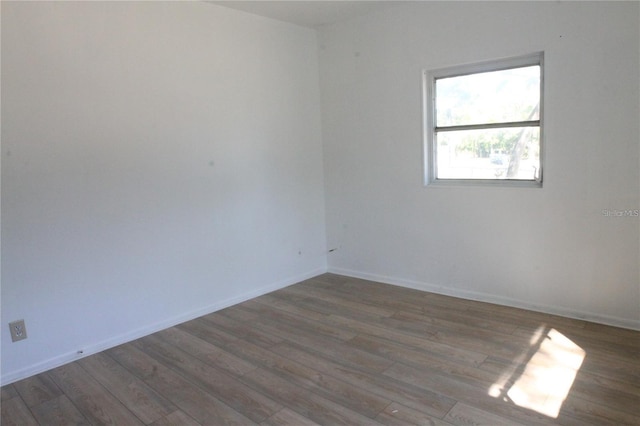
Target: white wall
(160, 160)
(550, 249)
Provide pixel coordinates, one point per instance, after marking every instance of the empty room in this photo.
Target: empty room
(320, 212)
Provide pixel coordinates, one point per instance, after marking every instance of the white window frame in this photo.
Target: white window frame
(429, 120)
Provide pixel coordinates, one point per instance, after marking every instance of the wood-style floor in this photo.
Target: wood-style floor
(334, 350)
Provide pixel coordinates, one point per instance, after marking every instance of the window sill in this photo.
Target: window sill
(495, 183)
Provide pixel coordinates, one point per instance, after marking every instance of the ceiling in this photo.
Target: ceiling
(312, 14)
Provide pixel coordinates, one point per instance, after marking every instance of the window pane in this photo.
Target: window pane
(506, 153)
(489, 97)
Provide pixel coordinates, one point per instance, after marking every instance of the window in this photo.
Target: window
(483, 123)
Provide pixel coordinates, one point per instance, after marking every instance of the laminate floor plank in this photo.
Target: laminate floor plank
(289, 331)
(8, 392)
(335, 350)
(306, 403)
(287, 417)
(471, 395)
(600, 363)
(224, 387)
(37, 389)
(14, 412)
(476, 340)
(241, 329)
(327, 307)
(136, 395)
(206, 352)
(326, 345)
(177, 418)
(575, 411)
(205, 331)
(429, 403)
(448, 333)
(425, 361)
(419, 342)
(309, 326)
(399, 415)
(596, 413)
(379, 294)
(608, 345)
(523, 318)
(240, 315)
(437, 330)
(94, 401)
(59, 411)
(462, 414)
(193, 400)
(621, 396)
(610, 385)
(443, 314)
(307, 376)
(485, 332)
(608, 339)
(289, 305)
(342, 303)
(455, 320)
(417, 301)
(331, 387)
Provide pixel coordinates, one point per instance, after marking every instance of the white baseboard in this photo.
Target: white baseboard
(492, 298)
(66, 358)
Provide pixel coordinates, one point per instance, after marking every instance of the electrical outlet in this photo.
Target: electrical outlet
(18, 330)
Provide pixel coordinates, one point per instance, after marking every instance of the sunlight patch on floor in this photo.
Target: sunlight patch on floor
(541, 379)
